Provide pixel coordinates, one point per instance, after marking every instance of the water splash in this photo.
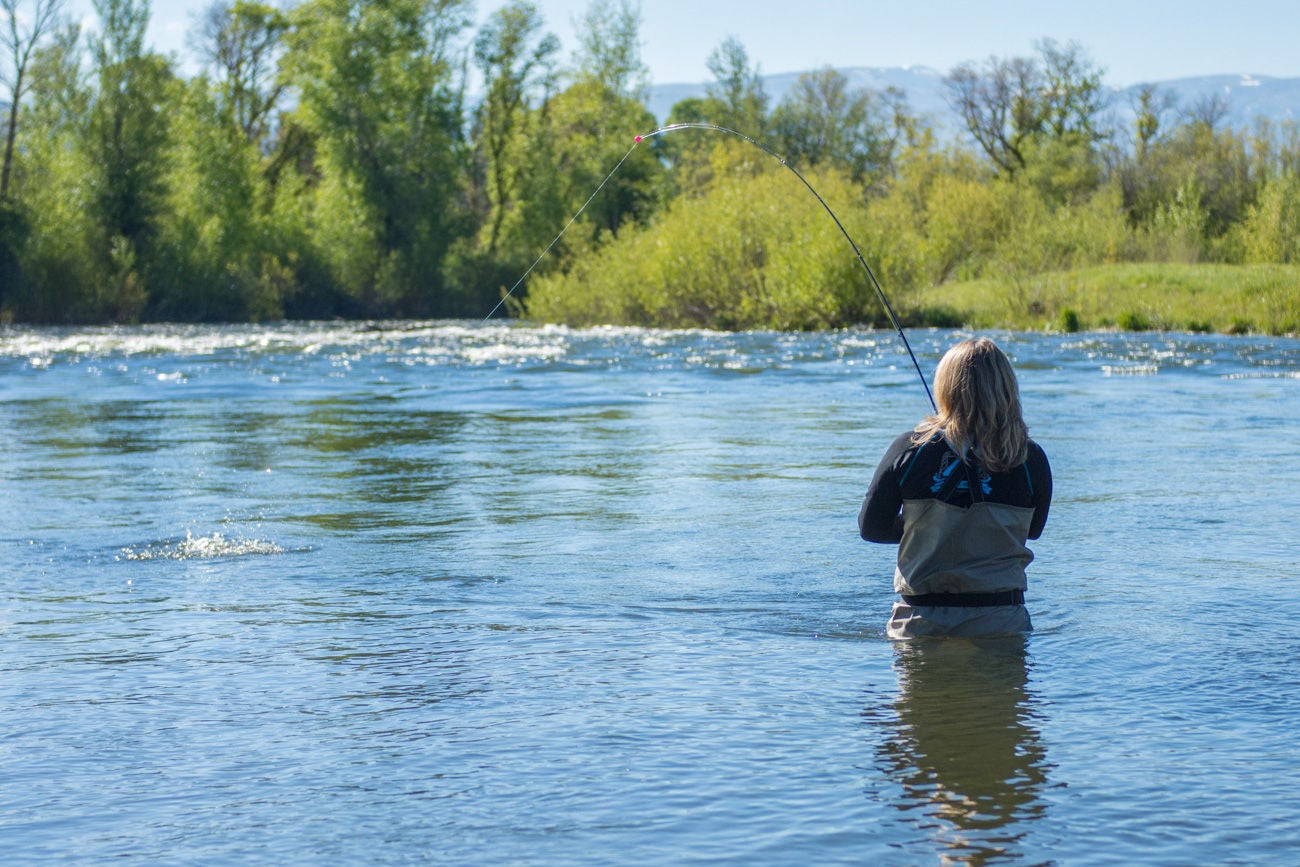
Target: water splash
(200, 548)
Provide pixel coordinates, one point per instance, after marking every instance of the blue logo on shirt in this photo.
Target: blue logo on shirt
(940, 480)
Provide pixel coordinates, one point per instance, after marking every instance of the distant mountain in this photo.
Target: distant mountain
(1247, 96)
(923, 86)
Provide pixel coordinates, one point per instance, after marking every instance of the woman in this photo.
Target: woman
(960, 495)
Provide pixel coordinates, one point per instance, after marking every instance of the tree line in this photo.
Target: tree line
(386, 158)
(1046, 182)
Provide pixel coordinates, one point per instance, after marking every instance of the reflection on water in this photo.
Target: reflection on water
(961, 742)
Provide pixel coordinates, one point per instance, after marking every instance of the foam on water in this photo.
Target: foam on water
(1130, 369)
(509, 343)
(42, 347)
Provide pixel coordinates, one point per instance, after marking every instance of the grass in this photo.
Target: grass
(1229, 299)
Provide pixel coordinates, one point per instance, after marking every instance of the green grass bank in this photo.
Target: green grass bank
(1231, 299)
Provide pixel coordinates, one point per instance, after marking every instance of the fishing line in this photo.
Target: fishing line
(572, 220)
(875, 284)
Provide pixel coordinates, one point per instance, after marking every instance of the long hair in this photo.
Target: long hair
(979, 406)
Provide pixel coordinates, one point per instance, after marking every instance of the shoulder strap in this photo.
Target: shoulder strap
(973, 479)
(916, 454)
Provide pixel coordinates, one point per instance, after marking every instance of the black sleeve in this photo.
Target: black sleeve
(881, 516)
(1040, 477)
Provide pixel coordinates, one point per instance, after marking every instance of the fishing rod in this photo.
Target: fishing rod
(875, 284)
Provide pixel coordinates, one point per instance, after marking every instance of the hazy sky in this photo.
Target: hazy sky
(1133, 40)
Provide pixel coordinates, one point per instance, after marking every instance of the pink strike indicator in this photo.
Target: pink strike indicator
(638, 139)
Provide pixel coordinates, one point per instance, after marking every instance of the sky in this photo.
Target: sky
(1133, 41)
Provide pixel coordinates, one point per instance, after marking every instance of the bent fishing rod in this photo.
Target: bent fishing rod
(871, 276)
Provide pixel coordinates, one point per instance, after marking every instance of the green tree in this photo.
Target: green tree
(511, 184)
(240, 45)
(737, 99)
(582, 133)
(1049, 107)
(227, 253)
(1151, 109)
(61, 92)
(609, 48)
(605, 107)
(1270, 232)
(591, 129)
(19, 44)
(381, 94)
(216, 240)
(1073, 97)
(20, 38)
(1199, 168)
(823, 122)
(516, 62)
(126, 139)
(60, 256)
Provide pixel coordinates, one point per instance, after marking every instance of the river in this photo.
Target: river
(496, 593)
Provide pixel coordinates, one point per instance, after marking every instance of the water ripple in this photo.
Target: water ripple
(394, 591)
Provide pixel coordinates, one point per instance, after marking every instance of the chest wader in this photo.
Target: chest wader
(961, 571)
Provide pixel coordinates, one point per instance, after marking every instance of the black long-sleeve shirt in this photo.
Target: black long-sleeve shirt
(917, 472)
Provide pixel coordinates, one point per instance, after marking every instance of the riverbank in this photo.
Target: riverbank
(1229, 299)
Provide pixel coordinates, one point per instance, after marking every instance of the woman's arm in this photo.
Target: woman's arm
(880, 518)
(1040, 477)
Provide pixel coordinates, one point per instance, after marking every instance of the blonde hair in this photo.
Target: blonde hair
(979, 406)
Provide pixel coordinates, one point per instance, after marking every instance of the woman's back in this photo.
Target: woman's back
(961, 495)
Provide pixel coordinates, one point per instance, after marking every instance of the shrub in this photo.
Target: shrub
(1068, 320)
(1133, 321)
(936, 316)
(755, 250)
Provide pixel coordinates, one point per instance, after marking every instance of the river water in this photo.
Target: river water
(496, 593)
